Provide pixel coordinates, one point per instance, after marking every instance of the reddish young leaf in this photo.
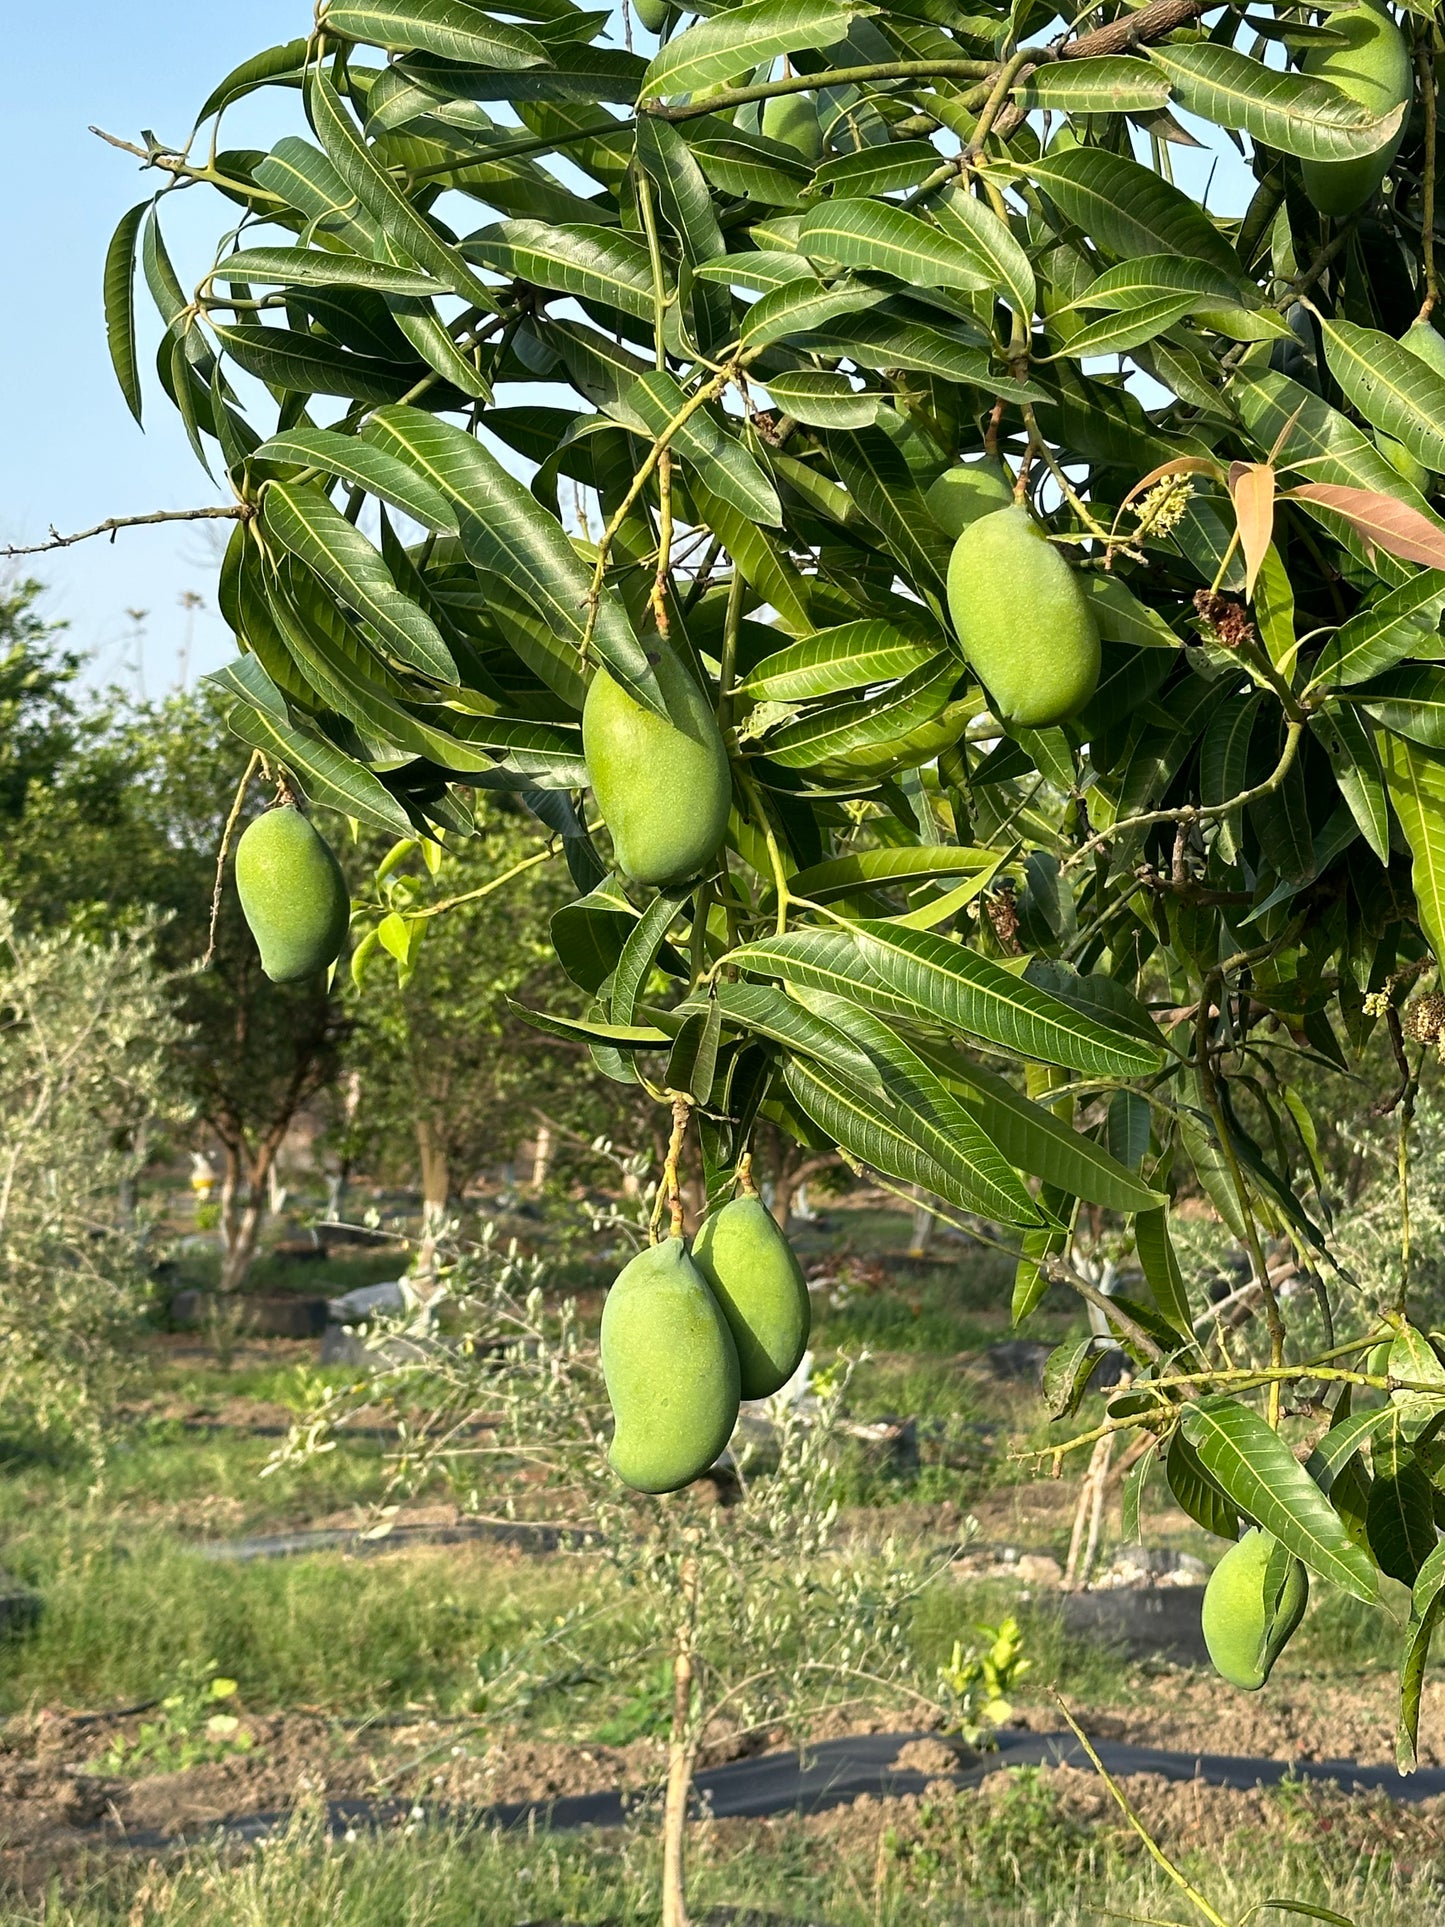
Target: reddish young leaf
(1251, 484)
(1390, 524)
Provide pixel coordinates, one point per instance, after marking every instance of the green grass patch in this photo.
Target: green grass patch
(1011, 1860)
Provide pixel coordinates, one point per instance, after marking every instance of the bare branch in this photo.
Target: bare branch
(235, 512)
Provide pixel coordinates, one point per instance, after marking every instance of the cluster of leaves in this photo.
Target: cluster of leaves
(86, 1032)
(750, 363)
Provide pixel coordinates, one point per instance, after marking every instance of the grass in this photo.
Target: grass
(123, 1620)
(1010, 1861)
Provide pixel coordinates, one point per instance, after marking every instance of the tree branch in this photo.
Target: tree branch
(236, 512)
(1132, 29)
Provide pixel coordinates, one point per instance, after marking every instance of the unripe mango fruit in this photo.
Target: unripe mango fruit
(961, 495)
(1425, 341)
(1025, 624)
(793, 120)
(1371, 65)
(758, 1282)
(671, 1370)
(664, 788)
(293, 894)
(1244, 1629)
(652, 13)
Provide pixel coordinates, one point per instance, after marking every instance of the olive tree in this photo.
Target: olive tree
(1057, 963)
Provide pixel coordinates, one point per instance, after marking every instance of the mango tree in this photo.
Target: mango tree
(966, 612)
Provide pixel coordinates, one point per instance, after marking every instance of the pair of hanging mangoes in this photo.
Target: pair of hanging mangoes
(663, 784)
(687, 1336)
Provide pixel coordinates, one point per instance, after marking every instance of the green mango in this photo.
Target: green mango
(671, 1370)
(664, 788)
(1405, 465)
(293, 894)
(1255, 1599)
(652, 13)
(1425, 341)
(1372, 65)
(1025, 624)
(793, 120)
(961, 495)
(759, 1284)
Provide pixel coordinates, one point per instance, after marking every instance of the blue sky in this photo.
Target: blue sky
(70, 453)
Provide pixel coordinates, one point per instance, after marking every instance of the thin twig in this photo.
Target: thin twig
(235, 512)
(238, 804)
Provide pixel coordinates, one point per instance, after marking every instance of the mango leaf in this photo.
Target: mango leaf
(588, 935)
(958, 987)
(878, 479)
(1128, 209)
(909, 863)
(1033, 1139)
(801, 308)
(639, 952)
(655, 400)
(1350, 746)
(879, 170)
(1395, 391)
(1405, 621)
(318, 268)
(322, 772)
(895, 1141)
(741, 38)
(449, 28)
(506, 531)
(854, 655)
(1122, 617)
(119, 283)
(1252, 488)
(1427, 1599)
(1287, 111)
(1196, 1491)
(935, 1119)
(303, 521)
(1341, 1443)
(1414, 1359)
(284, 63)
(823, 400)
(1097, 84)
(368, 467)
(760, 556)
(692, 1062)
(1400, 1520)
(997, 254)
(1161, 1267)
(1415, 779)
(884, 239)
(590, 1030)
(594, 263)
(1257, 1470)
(308, 365)
(1151, 276)
(1410, 700)
(366, 177)
(850, 723)
(1382, 520)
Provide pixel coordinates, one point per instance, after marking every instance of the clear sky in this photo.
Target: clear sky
(70, 454)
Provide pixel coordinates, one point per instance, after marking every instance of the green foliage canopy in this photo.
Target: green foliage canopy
(733, 369)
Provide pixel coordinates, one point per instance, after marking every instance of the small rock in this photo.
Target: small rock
(930, 1757)
(1039, 1569)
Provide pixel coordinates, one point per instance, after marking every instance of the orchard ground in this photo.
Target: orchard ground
(366, 1676)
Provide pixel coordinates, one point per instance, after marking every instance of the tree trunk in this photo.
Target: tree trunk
(681, 1757)
(541, 1155)
(336, 1183)
(787, 1184)
(921, 1236)
(435, 1194)
(240, 1248)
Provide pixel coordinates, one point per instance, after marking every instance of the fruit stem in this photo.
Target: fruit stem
(746, 1182)
(669, 1191)
(237, 805)
(1425, 68)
